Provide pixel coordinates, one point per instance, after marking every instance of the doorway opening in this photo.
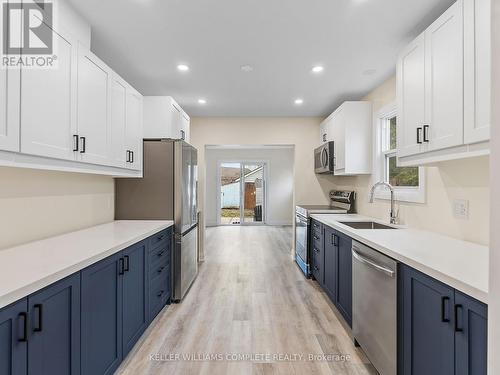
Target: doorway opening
(242, 193)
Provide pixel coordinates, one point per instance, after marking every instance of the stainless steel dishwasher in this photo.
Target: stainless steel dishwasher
(374, 317)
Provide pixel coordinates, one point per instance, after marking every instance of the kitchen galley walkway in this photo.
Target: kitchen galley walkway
(250, 311)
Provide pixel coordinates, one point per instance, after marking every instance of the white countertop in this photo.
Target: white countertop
(460, 264)
(30, 267)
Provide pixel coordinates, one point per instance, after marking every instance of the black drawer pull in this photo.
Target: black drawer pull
(419, 135)
(76, 144)
(426, 133)
(84, 145)
(444, 317)
(160, 293)
(39, 307)
(120, 267)
(458, 328)
(24, 337)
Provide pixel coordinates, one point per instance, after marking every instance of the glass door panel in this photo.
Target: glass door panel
(230, 193)
(253, 197)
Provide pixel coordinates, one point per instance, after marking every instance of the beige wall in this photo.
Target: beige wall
(461, 179)
(38, 204)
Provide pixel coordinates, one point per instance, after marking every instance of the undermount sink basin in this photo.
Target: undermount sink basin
(365, 225)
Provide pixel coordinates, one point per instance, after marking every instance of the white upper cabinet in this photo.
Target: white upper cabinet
(94, 109)
(411, 97)
(477, 67)
(164, 118)
(444, 77)
(443, 87)
(350, 128)
(10, 81)
(134, 129)
(48, 103)
(119, 153)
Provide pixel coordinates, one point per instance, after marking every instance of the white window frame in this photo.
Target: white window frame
(403, 194)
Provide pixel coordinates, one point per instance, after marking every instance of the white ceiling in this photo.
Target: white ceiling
(145, 40)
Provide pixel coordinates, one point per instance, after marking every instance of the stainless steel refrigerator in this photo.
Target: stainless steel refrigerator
(168, 191)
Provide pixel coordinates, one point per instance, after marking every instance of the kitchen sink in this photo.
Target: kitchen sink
(365, 225)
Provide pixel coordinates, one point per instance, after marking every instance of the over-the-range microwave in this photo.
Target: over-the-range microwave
(324, 159)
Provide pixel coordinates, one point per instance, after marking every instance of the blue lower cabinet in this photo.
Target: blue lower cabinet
(135, 295)
(344, 276)
(330, 269)
(102, 316)
(54, 338)
(13, 338)
(442, 331)
(428, 336)
(471, 337)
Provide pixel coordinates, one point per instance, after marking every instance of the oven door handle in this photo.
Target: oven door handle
(368, 262)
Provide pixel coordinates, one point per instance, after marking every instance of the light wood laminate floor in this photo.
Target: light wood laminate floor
(249, 298)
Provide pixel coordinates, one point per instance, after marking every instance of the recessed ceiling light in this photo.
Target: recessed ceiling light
(202, 101)
(182, 67)
(317, 69)
(299, 101)
(247, 68)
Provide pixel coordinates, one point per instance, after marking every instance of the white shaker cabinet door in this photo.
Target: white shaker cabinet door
(10, 81)
(94, 114)
(134, 131)
(119, 150)
(477, 69)
(411, 97)
(444, 107)
(339, 132)
(48, 103)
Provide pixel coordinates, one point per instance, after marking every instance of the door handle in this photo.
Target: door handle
(24, 337)
(444, 317)
(419, 134)
(458, 328)
(426, 133)
(126, 262)
(76, 143)
(368, 262)
(120, 267)
(83, 140)
(39, 307)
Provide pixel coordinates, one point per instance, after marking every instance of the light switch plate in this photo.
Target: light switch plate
(461, 209)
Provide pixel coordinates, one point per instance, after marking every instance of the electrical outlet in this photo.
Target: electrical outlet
(461, 209)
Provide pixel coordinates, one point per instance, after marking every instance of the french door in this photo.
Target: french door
(242, 193)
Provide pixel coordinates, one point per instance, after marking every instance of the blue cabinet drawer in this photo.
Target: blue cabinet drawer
(160, 269)
(160, 238)
(159, 295)
(160, 254)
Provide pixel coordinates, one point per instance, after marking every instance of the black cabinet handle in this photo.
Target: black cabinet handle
(183, 135)
(120, 267)
(24, 337)
(126, 266)
(131, 156)
(39, 307)
(84, 145)
(458, 328)
(324, 137)
(160, 293)
(128, 156)
(444, 316)
(426, 133)
(76, 144)
(419, 134)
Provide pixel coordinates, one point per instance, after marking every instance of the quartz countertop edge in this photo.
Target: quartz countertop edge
(460, 264)
(28, 268)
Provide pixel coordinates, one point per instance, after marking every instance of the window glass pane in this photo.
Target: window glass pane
(392, 133)
(402, 176)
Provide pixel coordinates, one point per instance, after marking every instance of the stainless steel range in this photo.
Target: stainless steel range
(341, 202)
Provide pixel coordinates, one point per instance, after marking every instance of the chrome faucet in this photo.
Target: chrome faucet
(394, 216)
